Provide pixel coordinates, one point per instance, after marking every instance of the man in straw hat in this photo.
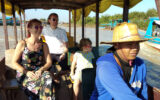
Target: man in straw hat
(121, 75)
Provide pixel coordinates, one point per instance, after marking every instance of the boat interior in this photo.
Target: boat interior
(9, 88)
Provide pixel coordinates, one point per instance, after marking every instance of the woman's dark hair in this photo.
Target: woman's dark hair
(84, 42)
(30, 24)
(52, 14)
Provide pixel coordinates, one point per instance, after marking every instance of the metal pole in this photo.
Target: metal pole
(14, 20)
(4, 24)
(125, 10)
(21, 23)
(24, 23)
(69, 22)
(83, 22)
(75, 27)
(97, 24)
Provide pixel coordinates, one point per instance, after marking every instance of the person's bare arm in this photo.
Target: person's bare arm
(62, 56)
(47, 57)
(66, 47)
(17, 55)
(73, 66)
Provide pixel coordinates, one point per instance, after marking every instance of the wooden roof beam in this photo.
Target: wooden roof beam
(49, 2)
(48, 7)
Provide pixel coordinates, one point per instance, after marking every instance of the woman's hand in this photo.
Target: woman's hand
(38, 73)
(62, 56)
(71, 74)
(31, 75)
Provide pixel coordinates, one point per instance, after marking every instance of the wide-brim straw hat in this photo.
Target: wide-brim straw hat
(125, 32)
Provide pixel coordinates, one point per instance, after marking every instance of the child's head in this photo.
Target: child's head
(85, 44)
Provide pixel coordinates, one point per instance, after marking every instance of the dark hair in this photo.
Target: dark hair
(52, 14)
(84, 42)
(111, 50)
(30, 24)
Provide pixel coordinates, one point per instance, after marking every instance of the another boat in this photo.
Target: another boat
(112, 24)
(9, 21)
(151, 48)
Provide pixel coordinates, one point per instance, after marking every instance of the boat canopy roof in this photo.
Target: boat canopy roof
(157, 22)
(88, 5)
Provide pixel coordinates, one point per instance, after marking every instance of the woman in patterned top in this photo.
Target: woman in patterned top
(31, 61)
(81, 60)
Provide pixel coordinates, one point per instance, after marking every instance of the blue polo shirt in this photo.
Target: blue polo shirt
(109, 83)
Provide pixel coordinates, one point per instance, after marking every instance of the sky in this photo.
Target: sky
(144, 5)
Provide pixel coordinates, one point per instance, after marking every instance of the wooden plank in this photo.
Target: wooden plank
(24, 23)
(14, 24)
(62, 3)
(48, 7)
(125, 10)
(153, 93)
(75, 27)
(69, 22)
(4, 24)
(21, 23)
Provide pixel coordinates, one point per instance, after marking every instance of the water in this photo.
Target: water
(153, 70)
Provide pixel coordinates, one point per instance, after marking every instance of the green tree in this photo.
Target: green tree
(43, 19)
(152, 13)
(139, 18)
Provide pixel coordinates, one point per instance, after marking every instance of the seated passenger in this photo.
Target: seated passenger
(31, 61)
(57, 41)
(81, 60)
(121, 75)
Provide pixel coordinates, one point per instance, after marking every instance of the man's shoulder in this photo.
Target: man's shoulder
(46, 29)
(106, 57)
(61, 29)
(139, 63)
(47, 26)
(139, 60)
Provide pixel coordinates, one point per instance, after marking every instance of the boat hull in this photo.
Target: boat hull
(149, 50)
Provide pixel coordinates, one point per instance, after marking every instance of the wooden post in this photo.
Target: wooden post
(14, 24)
(97, 23)
(24, 16)
(125, 10)
(158, 6)
(75, 27)
(69, 22)
(83, 22)
(4, 24)
(21, 23)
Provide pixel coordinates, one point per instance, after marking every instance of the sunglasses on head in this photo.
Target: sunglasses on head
(37, 27)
